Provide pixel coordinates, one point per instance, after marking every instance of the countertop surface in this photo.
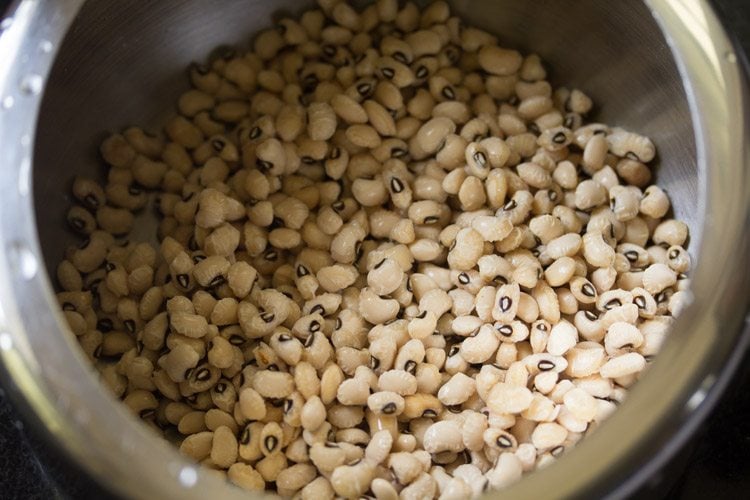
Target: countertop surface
(718, 459)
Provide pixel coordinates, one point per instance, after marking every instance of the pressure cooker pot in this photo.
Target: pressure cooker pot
(70, 71)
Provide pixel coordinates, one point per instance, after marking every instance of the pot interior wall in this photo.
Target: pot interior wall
(123, 63)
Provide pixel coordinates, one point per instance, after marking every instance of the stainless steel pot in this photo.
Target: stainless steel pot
(69, 71)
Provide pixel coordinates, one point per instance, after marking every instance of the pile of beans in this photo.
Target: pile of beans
(392, 261)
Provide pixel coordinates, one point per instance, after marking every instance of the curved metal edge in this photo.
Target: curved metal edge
(20, 240)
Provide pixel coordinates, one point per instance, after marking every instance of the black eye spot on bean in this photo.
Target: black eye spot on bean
(338, 324)
(183, 280)
(451, 54)
(411, 367)
(559, 138)
(454, 409)
(480, 159)
(409, 287)
(389, 408)
(400, 57)
(309, 340)
(396, 185)
(374, 363)
(422, 71)
(98, 351)
(288, 404)
(335, 153)
(273, 368)
(674, 254)
(640, 301)
(612, 304)
(77, 224)
(379, 264)
(314, 326)
(267, 317)
(510, 205)
(317, 309)
(203, 374)
(271, 255)
(220, 388)
(534, 128)
(236, 340)
(464, 279)
(302, 271)
(389, 73)
(338, 206)
(453, 350)
(631, 255)
(557, 451)
(541, 327)
(147, 413)
(429, 413)
(263, 165)
(270, 443)
(588, 290)
(448, 93)
(504, 442)
(398, 152)
(245, 437)
(505, 303)
(505, 330)
(431, 219)
(591, 315)
(129, 325)
(545, 365)
(91, 201)
(309, 82)
(255, 132)
(217, 281)
(364, 89)
(632, 156)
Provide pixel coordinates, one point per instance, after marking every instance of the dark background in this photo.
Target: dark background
(715, 464)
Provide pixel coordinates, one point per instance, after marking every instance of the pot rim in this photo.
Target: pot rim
(53, 380)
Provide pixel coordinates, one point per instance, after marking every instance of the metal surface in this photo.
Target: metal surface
(123, 63)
